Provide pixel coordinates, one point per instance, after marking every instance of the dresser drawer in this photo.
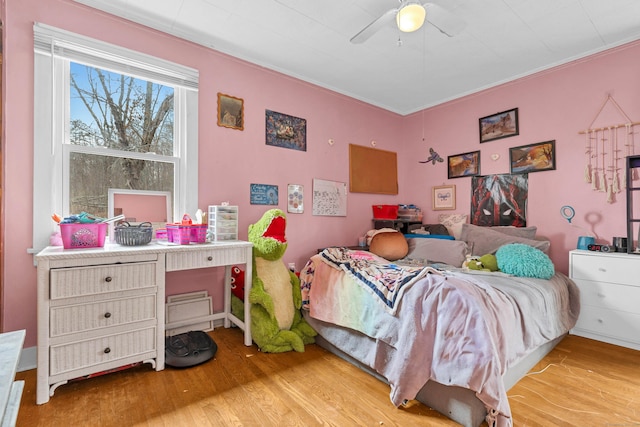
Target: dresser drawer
(610, 323)
(86, 317)
(78, 281)
(623, 269)
(609, 295)
(83, 354)
(185, 260)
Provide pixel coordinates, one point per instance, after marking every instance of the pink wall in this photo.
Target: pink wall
(553, 105)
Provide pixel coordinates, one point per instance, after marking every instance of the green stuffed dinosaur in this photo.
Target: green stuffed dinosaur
(276, 321)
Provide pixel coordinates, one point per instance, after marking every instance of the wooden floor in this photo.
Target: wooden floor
(580, 383)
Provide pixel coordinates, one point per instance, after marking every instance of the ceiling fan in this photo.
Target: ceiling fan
(410, 16)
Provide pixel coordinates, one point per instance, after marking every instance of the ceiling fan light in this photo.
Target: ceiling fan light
(410, 17)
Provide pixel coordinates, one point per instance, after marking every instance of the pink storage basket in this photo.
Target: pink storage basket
(83, 236)
(185, 232)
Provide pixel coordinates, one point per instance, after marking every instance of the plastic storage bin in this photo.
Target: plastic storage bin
(223, 222)
(385, 211)
(185, 232)
(83, 236)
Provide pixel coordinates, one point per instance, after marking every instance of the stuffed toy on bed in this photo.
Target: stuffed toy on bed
(487, 262)
(276, 321)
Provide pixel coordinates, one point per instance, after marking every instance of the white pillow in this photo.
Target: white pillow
(453, 222)
(452, 252)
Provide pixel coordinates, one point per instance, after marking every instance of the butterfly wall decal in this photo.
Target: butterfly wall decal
(433, 157)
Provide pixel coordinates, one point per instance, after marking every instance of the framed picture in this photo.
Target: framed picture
(286, 131)
(444, 198)
(500, 125)
(466, 164)
(230, 112)
(295, 198)
(533, 157)
(263, 194)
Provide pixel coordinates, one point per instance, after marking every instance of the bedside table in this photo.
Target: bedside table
(609, 296)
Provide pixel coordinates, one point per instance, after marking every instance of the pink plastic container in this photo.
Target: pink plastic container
(83, 236)
(185, 232)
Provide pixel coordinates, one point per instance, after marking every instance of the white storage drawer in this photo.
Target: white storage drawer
(610, 323)
(611, 268)
(78, 281)
(94, 352)
(185, 260)
(609, 286)
(86, 317)
(608, 295)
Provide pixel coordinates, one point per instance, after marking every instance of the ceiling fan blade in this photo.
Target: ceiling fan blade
(375, 26)
(443, 20)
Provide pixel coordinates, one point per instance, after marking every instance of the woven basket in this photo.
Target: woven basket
(129, 235)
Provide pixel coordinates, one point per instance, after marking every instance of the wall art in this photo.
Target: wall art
(533, 157)
(444, 198)
(329, 198)
(285, 131)
(466, 164)
(499, 125)
(295, 198)
(263, 194)
(499, 200)
(230, 112)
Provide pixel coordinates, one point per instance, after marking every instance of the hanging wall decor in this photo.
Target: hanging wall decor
(499, 125)
(499, 200)
(536, 157)
(433, 157)
(285, 131)
(230, 112)
(606, 148)
(263, 194)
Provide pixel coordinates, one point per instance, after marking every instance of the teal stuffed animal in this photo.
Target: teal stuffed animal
(277, 324)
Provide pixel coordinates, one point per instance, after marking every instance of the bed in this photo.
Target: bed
(452, 339)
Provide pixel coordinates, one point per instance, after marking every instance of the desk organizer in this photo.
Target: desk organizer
(186, 232)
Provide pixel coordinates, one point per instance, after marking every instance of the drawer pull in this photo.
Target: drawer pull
(107, 350)
(209, 258)
(107, 315)
(108, 279)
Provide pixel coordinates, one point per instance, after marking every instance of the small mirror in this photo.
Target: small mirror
(139, 206)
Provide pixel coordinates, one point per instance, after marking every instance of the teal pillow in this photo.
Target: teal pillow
(524, 261)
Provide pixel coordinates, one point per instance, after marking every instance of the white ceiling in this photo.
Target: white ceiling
(309, 39)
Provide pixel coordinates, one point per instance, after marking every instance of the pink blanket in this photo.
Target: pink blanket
(457, 329)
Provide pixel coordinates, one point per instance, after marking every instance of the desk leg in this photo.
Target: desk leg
(227, 295)
(248, 279)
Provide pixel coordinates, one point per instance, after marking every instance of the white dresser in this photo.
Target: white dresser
(101, 309)
(609, 296)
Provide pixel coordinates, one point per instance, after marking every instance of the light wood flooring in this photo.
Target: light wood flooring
(580, 383)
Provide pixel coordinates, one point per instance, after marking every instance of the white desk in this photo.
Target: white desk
(103, 308)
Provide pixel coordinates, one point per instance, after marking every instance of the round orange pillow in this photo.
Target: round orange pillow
(389, 245)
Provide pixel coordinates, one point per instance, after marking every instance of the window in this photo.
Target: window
(108, 118)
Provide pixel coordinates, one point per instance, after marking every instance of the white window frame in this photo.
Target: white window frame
(53, 49)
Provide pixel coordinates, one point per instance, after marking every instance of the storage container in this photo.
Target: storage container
(133, 235)
(385, 211)
(186, 232)
(83, 236)
(223, 222)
